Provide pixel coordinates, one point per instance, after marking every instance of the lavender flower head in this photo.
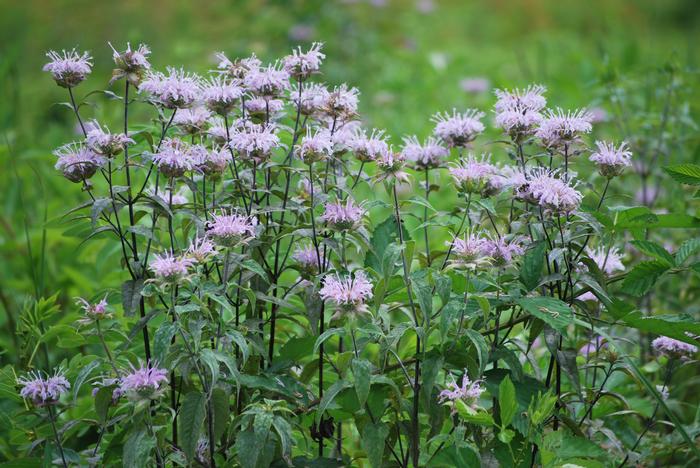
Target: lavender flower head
(232, 229)
(267, 82)
(176, 90)
(503, 252)
(475, 85)
(260, 107)
(307, 260)
(428, 155)
(311, 98)
(458, 129)
(469, 392)
(192, 121)
(611, 161)
(673, 348)
(474, 175)
(221, 94)
(531, 99)
(552, 193)
(369, 148)
(302, 65)
(131, 64)
(174, 158)
(342, 217)
(95, 311)
(170, 269)
(68, 68)
(201, 249)
(239, 68)
(608, 261)
(255, 142)
(559, 128)
(471, 251)
(316, 146)
(390, 166)
(145, 383)
(43, 391)
(348, 294)
(341, 103)
(211, 162)
(101, 141)
(77, 162)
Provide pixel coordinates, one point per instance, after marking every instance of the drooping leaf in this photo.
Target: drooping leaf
(643, 276)
(373, 439)
(533, 262)
(137, 447)
(361, 370)
(190, 419)
(506, 401)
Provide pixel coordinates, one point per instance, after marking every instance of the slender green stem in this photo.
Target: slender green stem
(52, 419)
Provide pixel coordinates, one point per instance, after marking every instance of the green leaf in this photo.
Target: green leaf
(684, 173)
(373, 440)
(220, 410)
(137, 447)
(551, 311)
(329, 395)
(131, 295)
(653, 249)
(688, 248)
(643, 276)
(103, 400)
(97, 207)
(506, 401)
(361, 370)
(384, 234)
(326, 335)
(190, 422)
(255, 267)
(482, 349)
(531, 269)
(480, 417)
(162, 339)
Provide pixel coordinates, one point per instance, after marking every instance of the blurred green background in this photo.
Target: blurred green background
(408, 57)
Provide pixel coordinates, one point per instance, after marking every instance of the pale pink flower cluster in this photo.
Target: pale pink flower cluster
(501, 251)
(348, 294)
(316, 146)
(211, 162)
(68, 68)
(175, 90)
(609, 261)
(201, 249)
(518, 111)
(192, 121)
(470, 251)
(239, 68)
(428, 155)
(169, 268)
(77, 162)
(369, 148)
(41, 390)
(145, 383)
(231, 229)
(312, 98)
(261, 107)
(255, 142)
(391, 165)
(469, 392)
(221, 94)
(341, 103)
(458, 129)
(101, 141)
(268, 81)
(301, 65)
(476, 175)
(97, 310)
(560, 128)
(611, 161)
(307, 259)
(131, 64)
(342, 216)
(174, 157)
(552, 193)
(673, 348)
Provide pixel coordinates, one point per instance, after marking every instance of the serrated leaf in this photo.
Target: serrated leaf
(653, 249)
(643, 276)
(551, 311)
(688, 248)
(684, 173)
